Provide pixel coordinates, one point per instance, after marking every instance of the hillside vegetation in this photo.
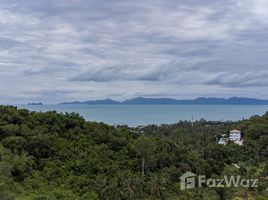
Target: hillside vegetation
(50, 156)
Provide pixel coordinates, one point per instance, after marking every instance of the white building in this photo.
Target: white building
(222, 141)
(235, 135)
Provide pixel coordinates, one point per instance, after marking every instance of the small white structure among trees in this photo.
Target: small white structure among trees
(235, 135)
(223, 141)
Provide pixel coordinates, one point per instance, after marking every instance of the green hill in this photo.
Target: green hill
(47, 156)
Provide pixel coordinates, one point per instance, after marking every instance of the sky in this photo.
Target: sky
(66, 50)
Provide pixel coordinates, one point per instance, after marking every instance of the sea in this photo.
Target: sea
(140, 115)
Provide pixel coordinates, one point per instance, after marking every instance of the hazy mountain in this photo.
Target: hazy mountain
(94, 102)
(142, 100)
(35, 104)
(169, 101)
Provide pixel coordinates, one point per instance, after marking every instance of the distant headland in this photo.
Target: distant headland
(35, 104)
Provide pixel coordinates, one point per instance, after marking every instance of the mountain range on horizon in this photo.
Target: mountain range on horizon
(170, 101)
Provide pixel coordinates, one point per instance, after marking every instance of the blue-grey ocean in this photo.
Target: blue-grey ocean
(134, 115)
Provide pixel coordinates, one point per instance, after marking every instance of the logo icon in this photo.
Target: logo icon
(188, 180)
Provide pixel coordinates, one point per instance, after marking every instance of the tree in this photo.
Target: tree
(145, 149)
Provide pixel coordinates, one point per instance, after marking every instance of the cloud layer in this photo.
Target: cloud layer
(61, 50)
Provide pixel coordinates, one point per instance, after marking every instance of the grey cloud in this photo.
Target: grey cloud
(119, 73)
(6, 43)
(248, 79)
(169, 48)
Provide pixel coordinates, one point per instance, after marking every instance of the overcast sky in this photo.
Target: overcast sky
(64, 50)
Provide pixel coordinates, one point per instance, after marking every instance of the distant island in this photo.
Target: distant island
(170, 101)
(94, 102)
(35, 104)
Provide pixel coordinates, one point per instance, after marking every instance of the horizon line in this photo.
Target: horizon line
(147, 98)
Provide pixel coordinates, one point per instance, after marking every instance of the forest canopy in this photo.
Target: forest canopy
(47, 156)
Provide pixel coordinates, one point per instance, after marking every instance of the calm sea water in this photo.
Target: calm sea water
(134, 115)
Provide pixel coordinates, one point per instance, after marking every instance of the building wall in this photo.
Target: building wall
(235, 136)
